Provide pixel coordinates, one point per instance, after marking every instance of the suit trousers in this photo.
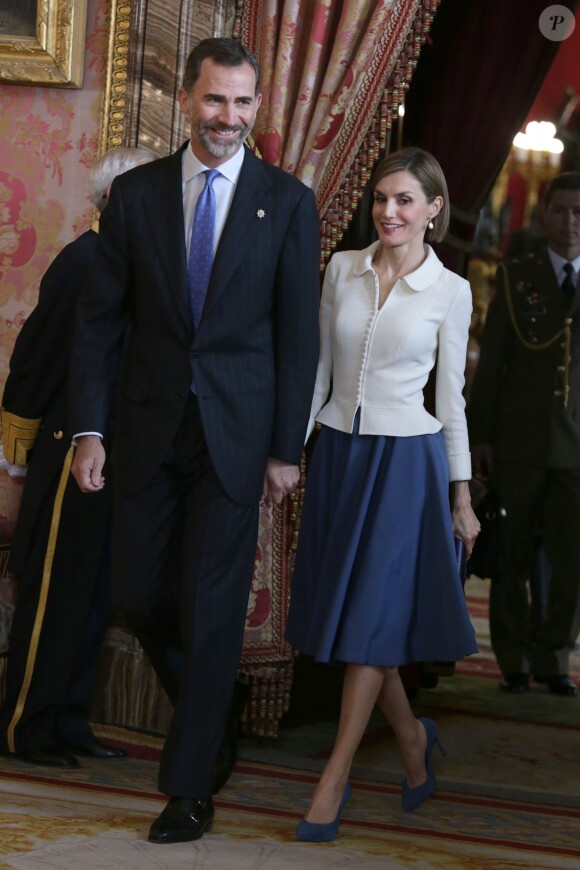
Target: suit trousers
(548, 499)
(184, 554)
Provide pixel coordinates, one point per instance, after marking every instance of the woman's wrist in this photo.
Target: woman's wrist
(461, 494)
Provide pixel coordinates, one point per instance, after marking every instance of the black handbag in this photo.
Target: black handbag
(460, 558)
(485, 557)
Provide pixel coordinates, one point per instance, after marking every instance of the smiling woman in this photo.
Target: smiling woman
(365, 590)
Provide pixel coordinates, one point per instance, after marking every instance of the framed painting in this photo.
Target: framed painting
(42, 42)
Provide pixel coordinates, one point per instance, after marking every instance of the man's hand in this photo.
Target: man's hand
(280, 479)
(88, 463)
(482, 460)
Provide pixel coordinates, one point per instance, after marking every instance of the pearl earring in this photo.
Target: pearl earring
(430, 225)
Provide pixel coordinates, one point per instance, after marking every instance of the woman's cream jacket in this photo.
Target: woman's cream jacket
(379, 360)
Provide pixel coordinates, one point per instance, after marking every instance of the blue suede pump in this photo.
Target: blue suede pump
(413, 797)
(311, 832)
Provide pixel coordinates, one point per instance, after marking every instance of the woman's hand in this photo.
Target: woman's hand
(466, 526)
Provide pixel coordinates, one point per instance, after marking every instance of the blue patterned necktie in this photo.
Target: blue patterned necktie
(568, 287)
(201, 248)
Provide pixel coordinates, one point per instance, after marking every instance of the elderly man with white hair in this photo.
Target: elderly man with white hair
(60, 552)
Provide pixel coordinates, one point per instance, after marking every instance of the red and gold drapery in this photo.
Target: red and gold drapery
(334, 73)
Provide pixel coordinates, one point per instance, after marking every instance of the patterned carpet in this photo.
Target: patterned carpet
(508, 794)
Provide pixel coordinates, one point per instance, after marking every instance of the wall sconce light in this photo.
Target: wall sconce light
(539, 139)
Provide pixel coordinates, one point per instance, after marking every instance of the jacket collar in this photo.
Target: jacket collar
(423, 277)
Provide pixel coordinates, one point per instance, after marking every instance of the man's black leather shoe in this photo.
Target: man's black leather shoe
(182, 820)
(515, 684)
(228, 752)
(95, 748)
(559, 684)
(48, 757)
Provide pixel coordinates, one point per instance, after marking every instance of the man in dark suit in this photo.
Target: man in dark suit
(60, 551)
(525, 429)
(214, 398)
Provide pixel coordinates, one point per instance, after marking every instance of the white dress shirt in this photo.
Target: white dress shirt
(379, 359)
(193, 182)
(558, 264)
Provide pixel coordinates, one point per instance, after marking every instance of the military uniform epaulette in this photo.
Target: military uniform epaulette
(19, 435)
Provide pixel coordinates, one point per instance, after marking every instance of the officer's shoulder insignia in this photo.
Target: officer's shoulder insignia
(19, 435)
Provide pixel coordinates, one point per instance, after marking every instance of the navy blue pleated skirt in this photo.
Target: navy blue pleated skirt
(376, 579)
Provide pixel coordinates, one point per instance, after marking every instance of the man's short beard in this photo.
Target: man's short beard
(219, 149)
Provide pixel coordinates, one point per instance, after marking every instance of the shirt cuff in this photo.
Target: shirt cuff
(459, 466)
(80, 434)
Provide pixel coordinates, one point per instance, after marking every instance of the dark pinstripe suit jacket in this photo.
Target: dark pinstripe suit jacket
(255, 352)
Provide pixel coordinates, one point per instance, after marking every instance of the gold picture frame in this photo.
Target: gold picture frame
(54, 56)
(116, 101)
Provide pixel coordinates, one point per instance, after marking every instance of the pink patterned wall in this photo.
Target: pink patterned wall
(48, 138)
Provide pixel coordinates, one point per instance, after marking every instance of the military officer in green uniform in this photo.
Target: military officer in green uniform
(524, 420)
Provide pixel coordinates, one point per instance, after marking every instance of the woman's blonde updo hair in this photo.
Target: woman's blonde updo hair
(426, 169)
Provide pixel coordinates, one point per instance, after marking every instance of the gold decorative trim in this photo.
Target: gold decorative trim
(115, 97)
(55, 56)
(42, 599)
(19, 435)
(336, 217)
(565, 334)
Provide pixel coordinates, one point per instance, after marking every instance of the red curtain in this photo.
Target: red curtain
(472, 90)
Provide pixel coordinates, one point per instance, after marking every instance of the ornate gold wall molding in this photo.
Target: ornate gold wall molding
(149, 41)
(55, 55)
(115, 99)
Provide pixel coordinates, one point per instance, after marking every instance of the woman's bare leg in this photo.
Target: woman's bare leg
(362, 684)
(365, 685)
(409, 732)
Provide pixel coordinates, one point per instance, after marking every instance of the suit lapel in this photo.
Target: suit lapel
(252, 194)
(164, 212)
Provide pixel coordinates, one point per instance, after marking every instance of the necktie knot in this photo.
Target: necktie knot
(210, 176)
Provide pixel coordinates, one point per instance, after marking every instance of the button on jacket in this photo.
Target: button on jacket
(379, 360)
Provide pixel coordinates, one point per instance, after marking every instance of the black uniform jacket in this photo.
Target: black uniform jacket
(525, 399)
(36, 388)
